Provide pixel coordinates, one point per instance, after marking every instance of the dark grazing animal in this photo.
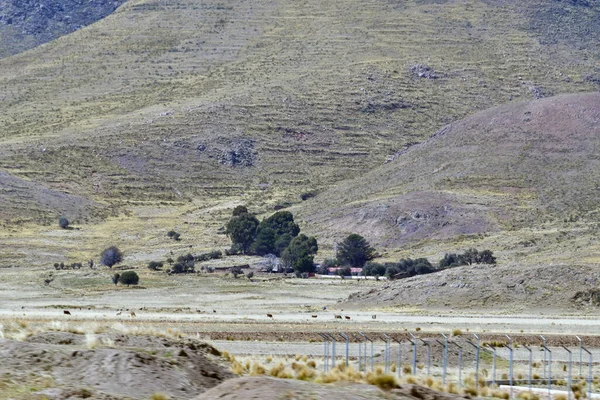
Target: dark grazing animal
(337, 316)
(66, 312)
(270, 315)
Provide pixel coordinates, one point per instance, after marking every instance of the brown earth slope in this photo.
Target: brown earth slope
(515, 174)
(59, 365)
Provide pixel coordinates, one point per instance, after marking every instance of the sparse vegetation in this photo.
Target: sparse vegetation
(63, 222)
(129, 278)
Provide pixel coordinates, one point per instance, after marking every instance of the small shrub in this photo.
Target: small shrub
(129, 278)
(155, 265)
(456, 332)
(115, 278)
(307, 195)
(63, 222)
(159, 396)
(257, 369)
(382, 381)
(250, 275)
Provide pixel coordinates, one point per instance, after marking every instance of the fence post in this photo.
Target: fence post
(589, 371)
(325, 351)
(459, 363)
(544, 347)
(569, 372)
(530, 365)
(387, 353)
(510, 348)
(364, 351)
(347, 346)
(428, 356)
(580, 357)
(476, 361)
(358, 339)
(414, 343)
(444, 359)
(399, 357)
(549, 370)
(332, 338)
(493, 363)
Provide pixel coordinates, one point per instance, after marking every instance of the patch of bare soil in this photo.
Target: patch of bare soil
(272, 388)
(490, 287)
(114, 366)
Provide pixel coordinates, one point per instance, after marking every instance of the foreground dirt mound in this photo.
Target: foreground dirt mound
(113, 366)
(267, 388)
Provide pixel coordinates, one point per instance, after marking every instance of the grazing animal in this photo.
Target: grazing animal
(314, 315)
(374, 316)
(132, 314)
(270, 315)
(119, 313)
(47, 281)
(347, 317)
(337, 316)
(214, 311)
(66, 312)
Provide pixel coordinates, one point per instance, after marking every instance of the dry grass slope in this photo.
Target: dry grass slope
(145, 111)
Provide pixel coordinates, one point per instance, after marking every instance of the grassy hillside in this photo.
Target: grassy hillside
(519, 178)
(168, 113)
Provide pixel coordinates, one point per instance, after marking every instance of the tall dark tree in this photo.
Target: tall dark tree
(241, 229)
(355, 251)
(300, 253)
(111, 256)
(264, 242)
(281, 222)
(239, 210)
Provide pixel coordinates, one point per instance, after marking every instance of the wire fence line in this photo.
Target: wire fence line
(527, 363)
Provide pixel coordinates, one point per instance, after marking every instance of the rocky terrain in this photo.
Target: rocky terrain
(25, 24)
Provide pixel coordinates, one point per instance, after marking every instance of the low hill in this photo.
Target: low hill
(518, 173)
(508, 288)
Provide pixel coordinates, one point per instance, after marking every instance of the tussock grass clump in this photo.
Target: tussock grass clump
(269, 359)
(560, 397)
(456, 332)
(500, 394)
(279, 371)
(528, 396)
(257, 369)
(227, 357)
(159, 396)
(238, 368)
(382, 381)
(311, 363)
(452, 388)
(406, 369)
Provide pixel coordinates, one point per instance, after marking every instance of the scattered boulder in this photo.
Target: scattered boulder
(424, 71)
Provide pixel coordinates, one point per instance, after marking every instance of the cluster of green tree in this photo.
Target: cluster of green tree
(67, 266)
(277, 234)
(469, 257)
(126, 278)
(184, 264)
(211, 255)
(406, 267)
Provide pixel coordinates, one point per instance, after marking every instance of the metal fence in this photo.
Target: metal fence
(525, 363)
